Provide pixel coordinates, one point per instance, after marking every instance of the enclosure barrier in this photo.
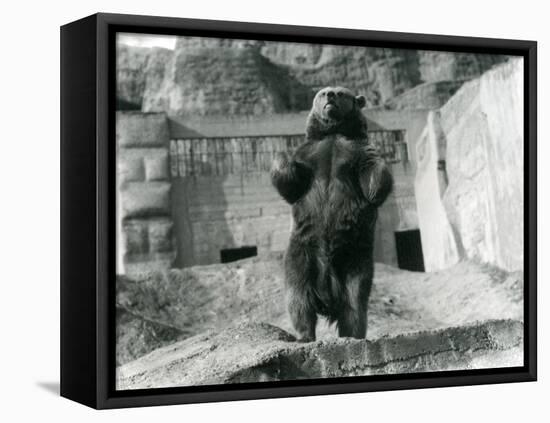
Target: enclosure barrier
(241, 155)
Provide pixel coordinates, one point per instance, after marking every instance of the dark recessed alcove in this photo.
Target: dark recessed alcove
(409, 250)
(233, 254)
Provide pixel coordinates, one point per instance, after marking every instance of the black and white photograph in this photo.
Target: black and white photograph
(272, 212)
(298, 211)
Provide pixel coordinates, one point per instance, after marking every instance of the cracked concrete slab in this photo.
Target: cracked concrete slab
(261, 352)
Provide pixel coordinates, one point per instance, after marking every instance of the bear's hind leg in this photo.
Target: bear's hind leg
(302, 315)
(300, 275)
(352, 319)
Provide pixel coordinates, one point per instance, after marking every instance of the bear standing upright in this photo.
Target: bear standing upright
(335, 181)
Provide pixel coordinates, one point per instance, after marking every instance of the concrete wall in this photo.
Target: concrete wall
(144, 222)
(460, 182)
(223, 198)
(411, 121)
(181, 202)
(215, 213)
(399, 212)
(245, 126)
(218, 212)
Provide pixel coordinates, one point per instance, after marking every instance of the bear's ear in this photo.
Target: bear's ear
(360, 101)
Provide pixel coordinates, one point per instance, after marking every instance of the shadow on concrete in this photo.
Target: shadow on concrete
(199, 204)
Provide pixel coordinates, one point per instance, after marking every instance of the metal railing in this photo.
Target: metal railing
(240, 155)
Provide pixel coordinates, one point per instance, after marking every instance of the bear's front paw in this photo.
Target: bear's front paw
(280, 162)
(377, 184)
(292, 179)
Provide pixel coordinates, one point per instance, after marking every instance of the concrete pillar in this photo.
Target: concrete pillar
(439, 245)
(144, 203)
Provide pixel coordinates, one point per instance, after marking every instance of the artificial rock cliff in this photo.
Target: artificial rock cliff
(470, 175)
(239, 77)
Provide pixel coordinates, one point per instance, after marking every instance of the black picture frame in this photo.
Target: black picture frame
(88, 197)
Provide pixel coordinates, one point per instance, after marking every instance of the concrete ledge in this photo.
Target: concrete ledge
(149, 235)
(130, 169)
(135, 237)
(156, 167)
(140, 164)
(261, 352)
(136, 129)
(146, 199)
(143, 264)
(160, 235)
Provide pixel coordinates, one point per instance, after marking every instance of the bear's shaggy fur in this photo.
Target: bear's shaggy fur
(335, 181)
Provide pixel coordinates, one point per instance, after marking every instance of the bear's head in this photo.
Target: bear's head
(336, 110)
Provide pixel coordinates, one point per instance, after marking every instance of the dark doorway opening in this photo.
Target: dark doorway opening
(409, 250)
(234, 254)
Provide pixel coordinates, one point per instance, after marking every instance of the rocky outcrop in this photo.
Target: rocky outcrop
(130, 74)
(159, 65)
(483, 129)
(206, 77)
(295, 54)
(211, 298)
(247, 77)
(380, 74)
(437, 66)
(470, 175)
(135, 66)
(428, 95)
(384, 75)
(137, 336)
(261, 352)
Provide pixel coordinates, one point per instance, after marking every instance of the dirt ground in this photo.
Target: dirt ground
(160, 308)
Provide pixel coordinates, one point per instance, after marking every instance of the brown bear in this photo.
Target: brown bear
(335, 181)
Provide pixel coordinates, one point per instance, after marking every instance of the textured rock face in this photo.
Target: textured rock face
(428, 95)
(211, 298)
(208, 76)
(260, 352)
(383, 74)
(483, 127)
(135, 66)
(131, 64)
(378, 73)
(194, 44)
(437, 66)
(159, 65)
(293, 54)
